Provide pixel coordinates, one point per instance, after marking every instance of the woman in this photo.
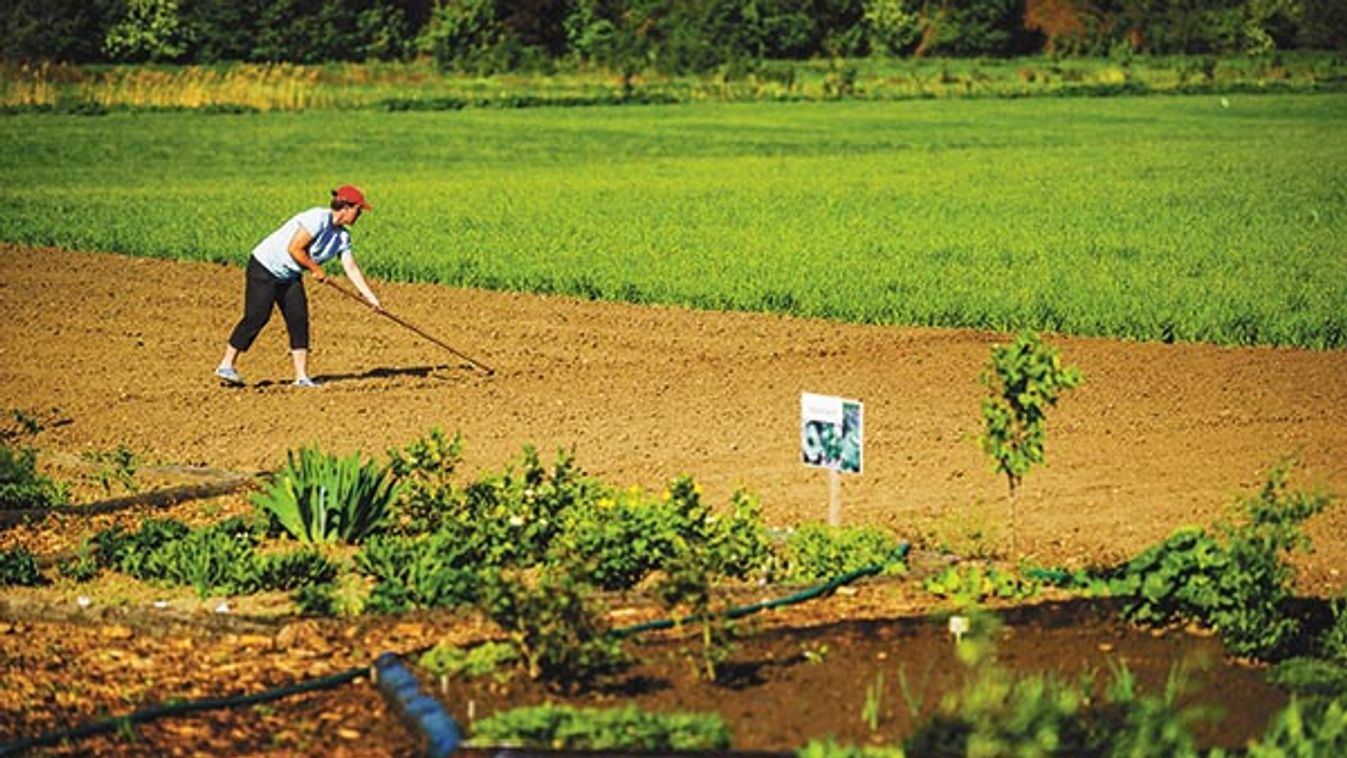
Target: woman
(306, 241)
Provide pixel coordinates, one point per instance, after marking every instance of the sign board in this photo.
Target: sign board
(831, 432)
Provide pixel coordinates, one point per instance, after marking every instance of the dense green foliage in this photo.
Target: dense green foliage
(700, 35)
(1236, 580)
(454, 662)
(321, 498)
(559, 727)
(969, 585)
(557, 625)
(814, 551)
(1151, 218)
(18, 566)
(220, 559)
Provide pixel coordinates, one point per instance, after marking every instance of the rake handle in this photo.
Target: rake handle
(411, 327)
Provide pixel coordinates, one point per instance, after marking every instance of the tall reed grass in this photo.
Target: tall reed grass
(291, 87)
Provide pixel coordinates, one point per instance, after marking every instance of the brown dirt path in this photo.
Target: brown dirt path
(1158, 436)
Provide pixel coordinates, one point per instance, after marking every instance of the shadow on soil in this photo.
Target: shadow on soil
(783, 687)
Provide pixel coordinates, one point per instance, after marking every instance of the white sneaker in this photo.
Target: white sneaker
(229, 375)
(305, 381)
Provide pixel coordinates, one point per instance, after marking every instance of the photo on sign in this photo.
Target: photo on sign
(830, 433)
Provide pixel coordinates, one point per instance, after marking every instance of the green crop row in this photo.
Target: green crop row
(1210, 218)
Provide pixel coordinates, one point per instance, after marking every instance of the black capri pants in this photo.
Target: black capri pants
(261, 290)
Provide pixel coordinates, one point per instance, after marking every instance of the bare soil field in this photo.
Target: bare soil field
(1157, 437)
(123, 350)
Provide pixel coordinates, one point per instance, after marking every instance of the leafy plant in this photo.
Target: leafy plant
(19, 566)
(816, 551)
(874, 698)
(560, 727)
(419, 572)
(21, 487)
(971, 584)
(128, 551)
(1000, 713)
(1333, 643)
(1236, 580)
(687, 591)
(829, 748)
(1310, 676)
(1305, 727)
(1023, 380)
(322, 498)
(83, 567)
(454, 662)
(296, 569)
(556, 626)
(114, 467)
(618, 538)
(424, 472)
(212, 560)
(315, 599)
(815, 654)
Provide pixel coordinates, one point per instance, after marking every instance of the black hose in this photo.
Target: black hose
(336, 680)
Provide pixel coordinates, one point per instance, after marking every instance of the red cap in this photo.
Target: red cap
(352, 194)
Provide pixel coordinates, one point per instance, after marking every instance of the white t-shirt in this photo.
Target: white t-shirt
(329, 241)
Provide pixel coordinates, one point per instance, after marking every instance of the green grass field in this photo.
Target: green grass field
(1165, 217)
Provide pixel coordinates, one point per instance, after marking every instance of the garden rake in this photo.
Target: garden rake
(400, 322)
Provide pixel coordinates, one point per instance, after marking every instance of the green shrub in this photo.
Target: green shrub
(1236, 581)
(21, 487)
(972, 584)
(212, 561)
(1310, 676)
(424, 470)
(1333, 643)
(1306, 727)
(828, 748)
(1023, 381)
(418, 572)
(687, 591)
(113, 467)
(815, 551)
(488, 659)
(295, 569)
(128, 551)
(322, 498)
(316, 599)
(556, 626)
(216, 559)
(19, 566)
(559, 727)
(81, 568)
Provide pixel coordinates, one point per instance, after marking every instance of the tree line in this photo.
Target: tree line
(671, 36)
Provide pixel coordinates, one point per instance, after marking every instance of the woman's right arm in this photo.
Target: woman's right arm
(299, 250)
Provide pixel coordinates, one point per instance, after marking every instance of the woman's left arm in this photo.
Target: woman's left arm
(358, 279)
